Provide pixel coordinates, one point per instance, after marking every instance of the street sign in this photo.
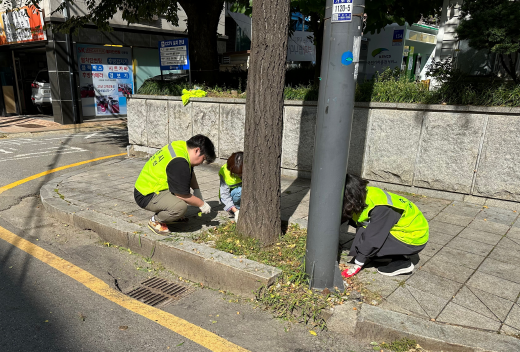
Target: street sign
(342, 11)
(174, 54)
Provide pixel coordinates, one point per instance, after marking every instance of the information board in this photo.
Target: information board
(174, 54)
(105, 77)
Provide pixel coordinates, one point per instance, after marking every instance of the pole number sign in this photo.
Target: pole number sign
(342, 11)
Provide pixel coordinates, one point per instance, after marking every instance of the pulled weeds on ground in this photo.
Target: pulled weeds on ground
(290, 297)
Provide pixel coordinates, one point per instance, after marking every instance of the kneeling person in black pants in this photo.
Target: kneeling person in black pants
(163, 186)
(388, 226)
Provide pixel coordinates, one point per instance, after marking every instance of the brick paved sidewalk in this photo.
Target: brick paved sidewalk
(468, 274)
(21, 124)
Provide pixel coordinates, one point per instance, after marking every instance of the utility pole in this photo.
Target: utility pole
(341, 44)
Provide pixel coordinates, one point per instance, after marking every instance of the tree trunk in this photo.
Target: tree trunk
(317, 22)
(260, 205)
(203, 18)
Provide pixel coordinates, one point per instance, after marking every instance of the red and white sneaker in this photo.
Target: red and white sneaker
(159, 228)
(351, 271)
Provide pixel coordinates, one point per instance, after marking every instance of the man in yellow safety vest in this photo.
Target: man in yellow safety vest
(163, 186)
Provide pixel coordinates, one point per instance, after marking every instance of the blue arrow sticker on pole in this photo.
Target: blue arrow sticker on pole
(347, 58)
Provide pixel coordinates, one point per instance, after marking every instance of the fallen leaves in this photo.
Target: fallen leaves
(312, 332)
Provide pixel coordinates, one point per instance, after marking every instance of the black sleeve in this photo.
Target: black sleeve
(179, 173)
(382, 219)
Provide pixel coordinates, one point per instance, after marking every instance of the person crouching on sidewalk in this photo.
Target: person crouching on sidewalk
(230, 191)
(163, 186)
(388, 226)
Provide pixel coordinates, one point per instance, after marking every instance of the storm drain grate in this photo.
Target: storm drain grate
(158, 292)
(31, 125)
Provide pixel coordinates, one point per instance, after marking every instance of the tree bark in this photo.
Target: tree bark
(260, 205)
(203, 18)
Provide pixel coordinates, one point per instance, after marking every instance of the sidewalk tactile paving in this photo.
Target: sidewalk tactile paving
(467, 275)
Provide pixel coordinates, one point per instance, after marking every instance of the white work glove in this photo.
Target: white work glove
(236, 215)
(197, 193)
(205, 208)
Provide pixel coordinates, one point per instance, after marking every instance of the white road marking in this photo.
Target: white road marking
(91, 135)
(46, 151)
(34, 156)
(22, 148)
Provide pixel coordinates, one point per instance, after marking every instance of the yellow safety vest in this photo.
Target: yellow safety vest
(231, 180)
(153, 178)
(412, 228)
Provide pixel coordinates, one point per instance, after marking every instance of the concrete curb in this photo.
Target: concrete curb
(378, 324)
(193, 261)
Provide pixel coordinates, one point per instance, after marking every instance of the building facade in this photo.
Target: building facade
(80, 76)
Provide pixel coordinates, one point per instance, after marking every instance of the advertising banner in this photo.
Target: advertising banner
(21, 25)
(105, 76)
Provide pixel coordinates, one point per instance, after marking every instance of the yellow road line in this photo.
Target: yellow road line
(180, 326)
(30, 178)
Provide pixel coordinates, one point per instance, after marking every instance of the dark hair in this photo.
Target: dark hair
(354, 196)
(235, 163)
(205, 144)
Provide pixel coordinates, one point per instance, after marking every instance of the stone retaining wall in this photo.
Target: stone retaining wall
(455, 152)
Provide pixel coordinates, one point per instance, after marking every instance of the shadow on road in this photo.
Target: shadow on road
(23, 321)
(23, 326)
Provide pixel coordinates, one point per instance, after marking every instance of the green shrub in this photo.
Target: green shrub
(307, 93)
(389, 86)
(151, 87)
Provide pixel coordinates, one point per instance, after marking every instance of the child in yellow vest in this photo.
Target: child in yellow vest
(389, 226)
(230, 191)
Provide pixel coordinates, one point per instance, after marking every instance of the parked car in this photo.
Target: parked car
(41, 92)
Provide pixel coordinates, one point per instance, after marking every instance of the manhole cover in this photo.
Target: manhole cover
(31, 125)
(158, 292)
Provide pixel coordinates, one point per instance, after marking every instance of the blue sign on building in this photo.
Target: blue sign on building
(174, 54)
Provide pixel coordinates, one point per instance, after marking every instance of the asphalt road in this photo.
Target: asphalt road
(42, 309)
